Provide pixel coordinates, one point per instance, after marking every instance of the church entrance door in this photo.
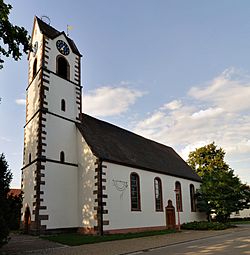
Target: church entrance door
(170, 215)
(27, 220)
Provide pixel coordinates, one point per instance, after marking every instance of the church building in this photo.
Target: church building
(84, 174)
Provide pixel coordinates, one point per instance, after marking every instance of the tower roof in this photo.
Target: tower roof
(52, 33)
(114, 144)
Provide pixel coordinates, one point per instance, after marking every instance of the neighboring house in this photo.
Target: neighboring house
(241, 214)
(14, 192)
(81, 173)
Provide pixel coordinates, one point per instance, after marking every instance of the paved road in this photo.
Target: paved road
(237, 243)
(187, 242)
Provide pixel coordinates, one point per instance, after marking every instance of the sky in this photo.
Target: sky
(177, 72)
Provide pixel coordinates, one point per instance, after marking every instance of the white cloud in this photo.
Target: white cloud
(230, 91)
(207, 113)
(20, 101)
(110, 101)
(217, 112)
(173, 105)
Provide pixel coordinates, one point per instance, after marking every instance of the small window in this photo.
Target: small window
(62, 156)
(29, 158)
(178, 196)
(62, 67)
(192, 198)
(34, 68)
(135, 192)
(63, 105)
(158, 194)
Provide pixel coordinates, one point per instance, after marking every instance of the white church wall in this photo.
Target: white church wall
(61, 89)
(60, 196)
(32, 98)
(30, 142)
(86, 183)
(28, 183)
(36, 38)
(120, 215)
(61, 136)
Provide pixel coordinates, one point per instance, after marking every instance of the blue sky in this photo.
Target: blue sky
(174, 71)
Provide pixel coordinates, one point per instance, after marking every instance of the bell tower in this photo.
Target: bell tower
(53, 107)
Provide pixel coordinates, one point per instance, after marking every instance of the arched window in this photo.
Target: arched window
(178, 196)
(135, 192)
(192, 198)
(158, 194)
(63, 105)
(29, 158)
(34, 68)
(62, 67)
(62, 156)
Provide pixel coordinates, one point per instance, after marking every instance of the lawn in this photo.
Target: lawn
(73, 239)
(240, 222)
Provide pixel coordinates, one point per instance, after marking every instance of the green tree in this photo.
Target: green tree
(5, 179)
(221, 191)
(14, 206)
(12, 36)
(207, 159)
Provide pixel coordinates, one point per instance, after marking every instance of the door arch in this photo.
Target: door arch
(27, 220)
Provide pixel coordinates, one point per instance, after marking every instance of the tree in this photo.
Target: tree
(12, 36)
(5, 179)
(207, 159)
(14, 214)
(221, 191)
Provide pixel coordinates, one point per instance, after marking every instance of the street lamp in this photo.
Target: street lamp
(177, 192)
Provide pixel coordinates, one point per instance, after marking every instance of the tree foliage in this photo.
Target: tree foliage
(207, 159)
(5, 179)
(12, 36)
(221, 191)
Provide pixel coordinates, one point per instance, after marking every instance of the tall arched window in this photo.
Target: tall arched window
(34, 68)
(135, 192)
(192, 198)
(62, 67)
(62, 156)
(158, 194)
(178, 196)
(63, 105)
(29, 158)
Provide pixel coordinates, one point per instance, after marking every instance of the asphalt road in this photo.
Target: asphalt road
(236, 243)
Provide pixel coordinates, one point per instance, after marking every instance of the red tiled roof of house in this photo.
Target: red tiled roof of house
(14, 192)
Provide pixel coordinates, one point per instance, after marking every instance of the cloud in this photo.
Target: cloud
(216, 111)
(207, 113)
(173, 105)
(110, 101)
(20, 101)
(230, 91)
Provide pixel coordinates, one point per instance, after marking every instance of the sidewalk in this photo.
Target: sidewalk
(121, 246)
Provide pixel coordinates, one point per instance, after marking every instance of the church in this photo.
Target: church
(83, 174)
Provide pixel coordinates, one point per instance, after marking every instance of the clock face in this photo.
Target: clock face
(62, 47)
(35, 47)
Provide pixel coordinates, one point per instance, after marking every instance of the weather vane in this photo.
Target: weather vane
(45, 19)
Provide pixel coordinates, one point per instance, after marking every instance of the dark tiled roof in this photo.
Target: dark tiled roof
(117, 145)
(52, 33)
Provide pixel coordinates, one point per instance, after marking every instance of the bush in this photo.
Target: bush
(205, 225)
(4, 231)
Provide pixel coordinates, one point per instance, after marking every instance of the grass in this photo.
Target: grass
(73, 239)
(240, 222)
